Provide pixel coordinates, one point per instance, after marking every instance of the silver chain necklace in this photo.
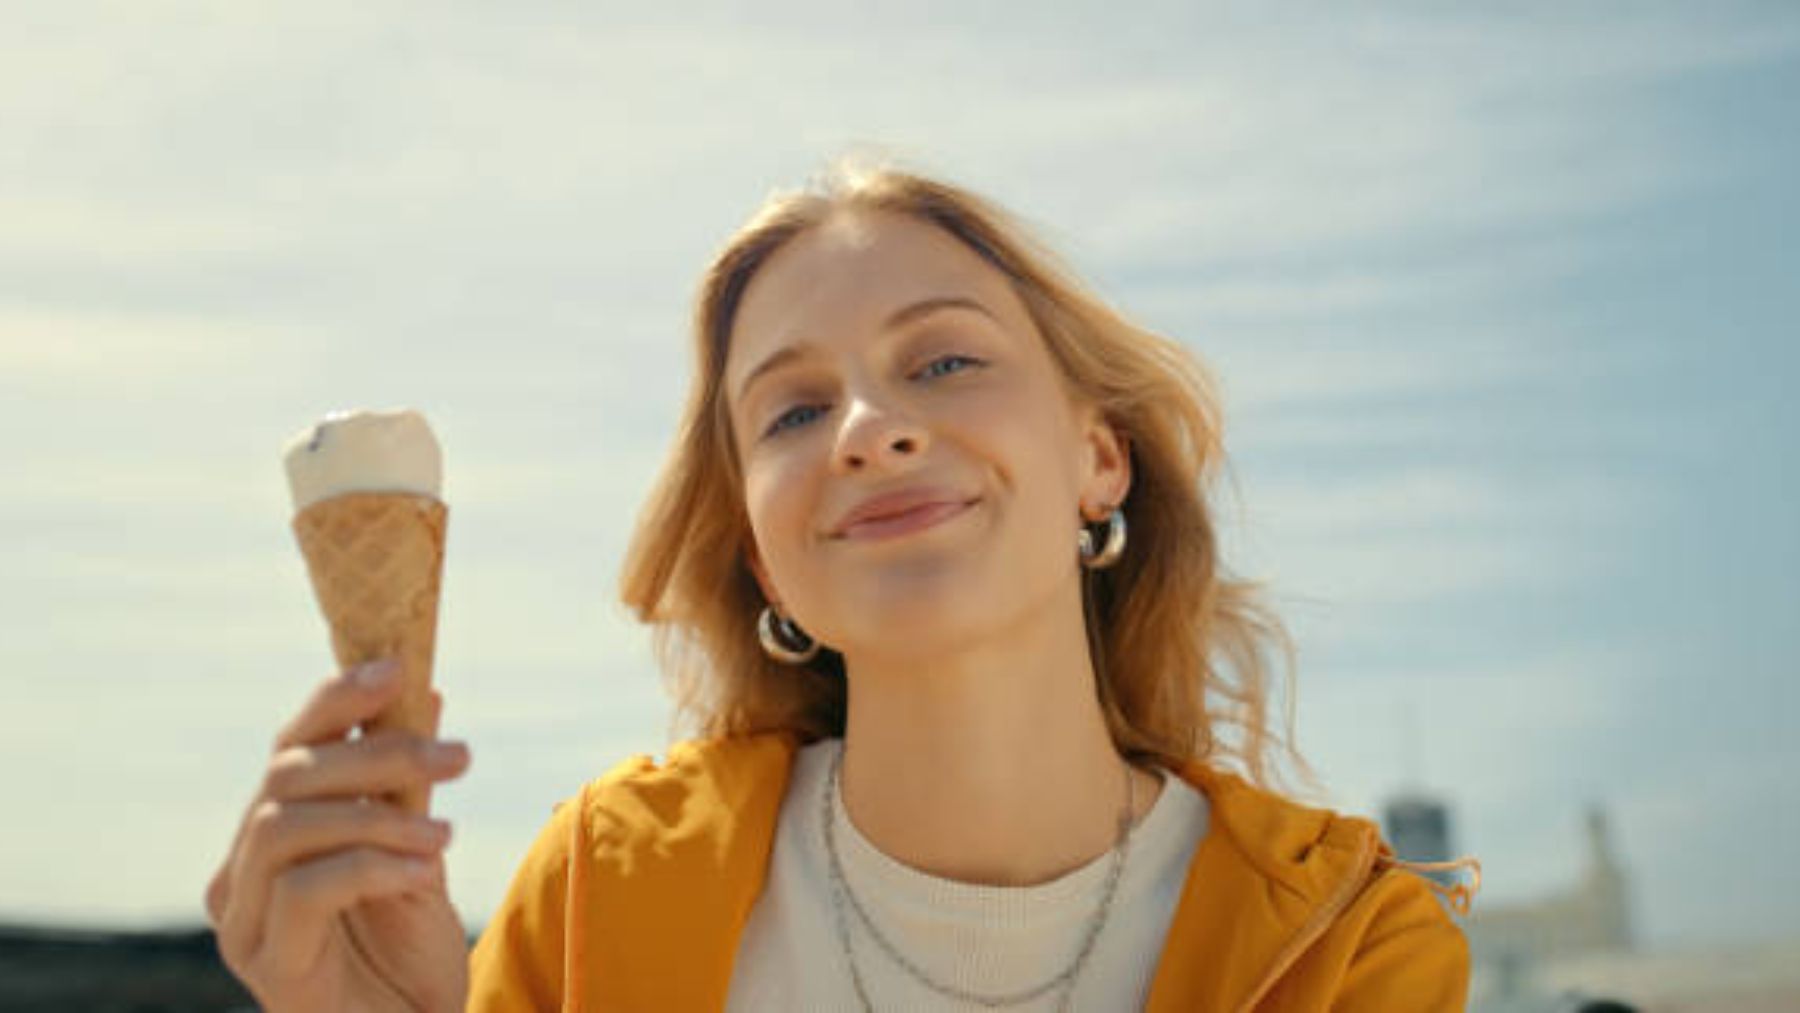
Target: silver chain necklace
(1066, 979)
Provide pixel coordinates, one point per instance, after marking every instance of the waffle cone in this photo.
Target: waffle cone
(376, 561)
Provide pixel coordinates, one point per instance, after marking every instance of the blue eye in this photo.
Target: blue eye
(797, 415)
(931, 368)
(786, 418)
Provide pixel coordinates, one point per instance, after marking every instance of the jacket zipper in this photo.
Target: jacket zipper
(1316, 925)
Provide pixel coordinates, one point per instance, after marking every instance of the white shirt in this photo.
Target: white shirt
(987, 939)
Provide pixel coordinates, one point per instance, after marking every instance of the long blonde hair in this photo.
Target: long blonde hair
(1180, 648)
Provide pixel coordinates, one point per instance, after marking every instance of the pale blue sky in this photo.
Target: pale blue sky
(1503, 308)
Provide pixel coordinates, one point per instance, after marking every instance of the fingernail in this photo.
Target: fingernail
(442, 829)
(374, 673)
(448, 754)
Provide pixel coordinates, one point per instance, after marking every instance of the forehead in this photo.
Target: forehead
(839, 280)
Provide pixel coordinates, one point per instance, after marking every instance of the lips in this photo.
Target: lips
(893, 526)
(902, 509)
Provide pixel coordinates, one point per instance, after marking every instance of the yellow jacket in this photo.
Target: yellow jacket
(633, 898)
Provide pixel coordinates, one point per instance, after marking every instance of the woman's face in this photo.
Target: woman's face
(877, 354)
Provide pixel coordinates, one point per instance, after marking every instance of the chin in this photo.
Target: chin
(904, 619)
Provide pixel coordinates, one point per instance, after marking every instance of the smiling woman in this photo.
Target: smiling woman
(959, 741)
(861, 287)
(979, 719)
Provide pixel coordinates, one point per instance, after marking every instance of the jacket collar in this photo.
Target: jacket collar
(1266, 881)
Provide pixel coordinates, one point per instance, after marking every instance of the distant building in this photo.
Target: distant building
(1565, 950)
(1511, 945)
(1418, 826)
(1590, 916)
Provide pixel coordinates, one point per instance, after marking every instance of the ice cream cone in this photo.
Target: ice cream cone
(376, 561)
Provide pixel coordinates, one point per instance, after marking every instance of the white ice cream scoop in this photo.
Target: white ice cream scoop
(364, 451)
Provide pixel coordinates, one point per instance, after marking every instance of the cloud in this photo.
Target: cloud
(64, 349)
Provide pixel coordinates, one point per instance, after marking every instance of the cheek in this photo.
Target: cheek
(1020, 434)
(775, 494)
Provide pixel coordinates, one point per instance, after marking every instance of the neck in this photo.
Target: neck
(988, 764)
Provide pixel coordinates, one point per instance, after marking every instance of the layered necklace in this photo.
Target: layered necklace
(840, 892)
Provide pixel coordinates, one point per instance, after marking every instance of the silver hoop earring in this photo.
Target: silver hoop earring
(782, 639)
(1108, 553)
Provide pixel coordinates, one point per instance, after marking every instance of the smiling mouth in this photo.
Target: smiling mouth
(906, 522)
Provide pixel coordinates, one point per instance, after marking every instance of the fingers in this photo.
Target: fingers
(377, 764)
(320, 836)
(341, 703)
(218, 893)
(281, 836)
(336, 706)
(306, 899)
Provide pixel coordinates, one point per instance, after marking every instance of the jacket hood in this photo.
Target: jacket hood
(1272, 874)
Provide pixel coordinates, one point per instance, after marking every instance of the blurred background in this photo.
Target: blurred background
(1504, 306)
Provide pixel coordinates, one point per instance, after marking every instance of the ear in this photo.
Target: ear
(1106, 469)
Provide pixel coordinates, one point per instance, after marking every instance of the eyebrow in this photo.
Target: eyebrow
(899, 318)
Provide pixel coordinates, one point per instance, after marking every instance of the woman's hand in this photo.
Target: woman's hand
(331, 898)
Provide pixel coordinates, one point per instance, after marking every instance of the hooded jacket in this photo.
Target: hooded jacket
(635, 893)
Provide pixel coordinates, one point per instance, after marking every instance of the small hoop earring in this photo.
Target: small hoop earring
(1108, 553)
(782, 639)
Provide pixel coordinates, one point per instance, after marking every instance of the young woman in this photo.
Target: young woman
(934, 574)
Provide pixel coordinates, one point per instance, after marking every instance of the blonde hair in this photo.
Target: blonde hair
(1180, 648)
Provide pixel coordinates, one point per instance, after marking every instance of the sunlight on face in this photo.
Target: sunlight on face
(877, 353)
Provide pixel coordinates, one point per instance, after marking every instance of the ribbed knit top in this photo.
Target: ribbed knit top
(987, 939)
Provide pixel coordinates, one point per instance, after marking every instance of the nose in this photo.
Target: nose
(876, 434)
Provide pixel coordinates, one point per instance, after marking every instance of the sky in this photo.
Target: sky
(1502, 305)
